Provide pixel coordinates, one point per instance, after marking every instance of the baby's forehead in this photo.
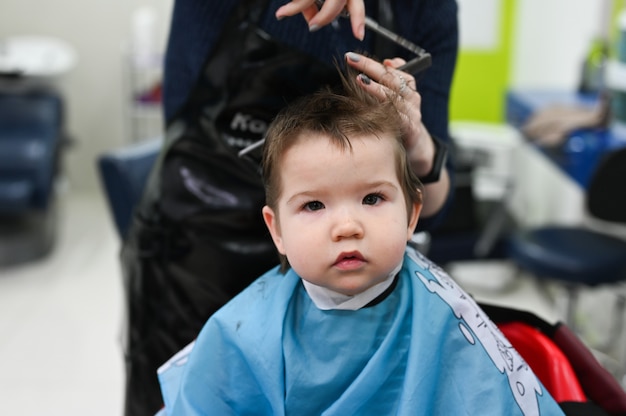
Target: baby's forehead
(316, 144)
(331, 150)
(341, 139)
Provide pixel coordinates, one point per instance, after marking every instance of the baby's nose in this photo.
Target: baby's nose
(347, 225)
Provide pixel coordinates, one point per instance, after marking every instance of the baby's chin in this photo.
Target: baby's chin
(355, 286)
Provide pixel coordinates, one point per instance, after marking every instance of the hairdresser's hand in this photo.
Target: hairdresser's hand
(385, 81)
(318, 17)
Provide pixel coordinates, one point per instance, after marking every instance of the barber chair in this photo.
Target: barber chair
(562, 362)
(31, 140)
(576, 258)
(123, 173)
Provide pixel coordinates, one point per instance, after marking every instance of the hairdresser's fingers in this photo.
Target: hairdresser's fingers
(383, 73)
(309, 14)
(386, 75)
(306, 7)
(396, 63)
(356, 8)
(384, 81)
(330, 10)
(409, 108)
(370, 67)
(318, 17)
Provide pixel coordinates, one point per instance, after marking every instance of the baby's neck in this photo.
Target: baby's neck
(327, 299)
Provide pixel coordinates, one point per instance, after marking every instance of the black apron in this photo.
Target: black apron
(198, 237)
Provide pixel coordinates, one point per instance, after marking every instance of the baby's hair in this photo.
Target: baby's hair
(336, 114)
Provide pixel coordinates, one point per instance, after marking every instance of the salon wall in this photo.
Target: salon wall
(94, 88)
(520, 43)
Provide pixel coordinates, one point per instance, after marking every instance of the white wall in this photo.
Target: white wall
(551, 38)
(550, 43)
(97, 29)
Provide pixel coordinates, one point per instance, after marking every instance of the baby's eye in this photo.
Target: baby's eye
(313, 206)
(372, 199)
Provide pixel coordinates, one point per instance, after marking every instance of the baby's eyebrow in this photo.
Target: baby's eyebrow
(383, 183)
(303, 195)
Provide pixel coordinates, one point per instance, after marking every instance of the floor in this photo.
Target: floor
(60, 321)
(61, 317)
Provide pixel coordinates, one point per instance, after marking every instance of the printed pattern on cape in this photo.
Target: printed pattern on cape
(477, 327)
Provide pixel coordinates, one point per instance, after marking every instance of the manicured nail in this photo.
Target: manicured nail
(314, 28)
(361, 32)
(365, 79)
(353, 57)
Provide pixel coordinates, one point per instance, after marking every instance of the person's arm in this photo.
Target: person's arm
(422, 156)
(382, 79)
(433, 25)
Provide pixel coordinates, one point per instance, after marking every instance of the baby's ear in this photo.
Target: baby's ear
(413, 217)
(271, 221)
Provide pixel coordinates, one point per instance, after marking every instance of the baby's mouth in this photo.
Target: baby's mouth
(350, 260)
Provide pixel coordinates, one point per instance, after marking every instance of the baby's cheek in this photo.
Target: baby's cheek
(397, 245)
(301, 250)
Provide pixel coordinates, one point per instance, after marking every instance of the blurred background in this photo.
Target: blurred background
(61, 312)
(96, 87)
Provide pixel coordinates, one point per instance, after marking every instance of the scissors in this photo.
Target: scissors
(415, 65)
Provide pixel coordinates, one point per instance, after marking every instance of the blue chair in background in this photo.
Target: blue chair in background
(31, 141)
(578, 257)
(31, 134)
(124, 173)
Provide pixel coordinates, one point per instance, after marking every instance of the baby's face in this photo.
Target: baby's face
(342, 220)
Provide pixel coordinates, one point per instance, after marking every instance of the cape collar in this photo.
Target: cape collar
(326, 299)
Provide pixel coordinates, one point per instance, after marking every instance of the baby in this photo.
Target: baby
(354, 321)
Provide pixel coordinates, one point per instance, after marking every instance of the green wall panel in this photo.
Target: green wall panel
(482, 76)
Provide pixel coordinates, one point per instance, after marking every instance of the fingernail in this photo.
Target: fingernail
(365, 79)
(314, 28)
(279, 13)
(361, 32)
(353, 57)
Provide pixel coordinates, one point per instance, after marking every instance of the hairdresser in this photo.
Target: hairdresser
(198, 237)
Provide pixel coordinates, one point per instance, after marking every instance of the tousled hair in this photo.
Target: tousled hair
(336, 114)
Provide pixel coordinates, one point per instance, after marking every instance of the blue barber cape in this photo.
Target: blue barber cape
(427, 349)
